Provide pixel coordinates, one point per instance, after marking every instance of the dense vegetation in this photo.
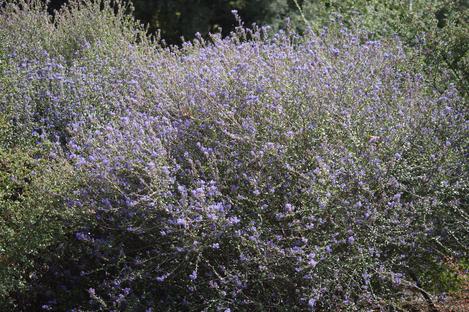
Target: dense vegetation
(435, 29)
(320, 165)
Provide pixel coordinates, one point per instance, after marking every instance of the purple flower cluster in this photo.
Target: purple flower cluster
(252, 171)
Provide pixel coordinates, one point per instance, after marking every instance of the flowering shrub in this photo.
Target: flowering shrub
(433, 31)
(260, 171)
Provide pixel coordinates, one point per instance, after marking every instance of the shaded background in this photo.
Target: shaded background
(183, 18)
(176, 18)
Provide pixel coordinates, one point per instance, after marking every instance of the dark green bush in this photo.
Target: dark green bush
(36, 214)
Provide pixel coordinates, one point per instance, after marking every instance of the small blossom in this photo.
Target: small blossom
(288, 208)
(193, 276)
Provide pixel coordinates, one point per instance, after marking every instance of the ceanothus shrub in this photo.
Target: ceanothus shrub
(260, 171)
(315, 174)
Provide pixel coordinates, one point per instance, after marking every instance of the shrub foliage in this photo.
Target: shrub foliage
(264, 170)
